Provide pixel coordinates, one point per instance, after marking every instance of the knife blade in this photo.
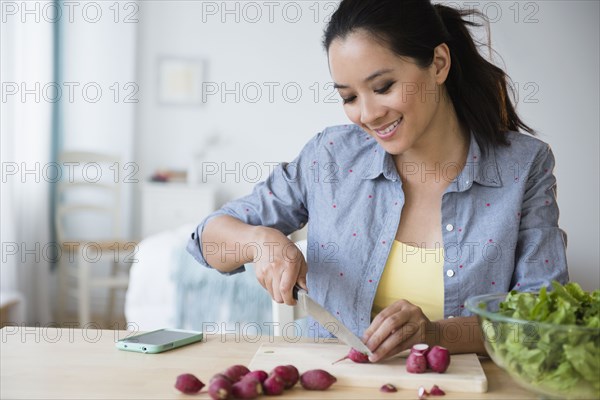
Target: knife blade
(328, 321)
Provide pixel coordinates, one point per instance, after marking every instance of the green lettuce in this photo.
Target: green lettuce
(555, 358)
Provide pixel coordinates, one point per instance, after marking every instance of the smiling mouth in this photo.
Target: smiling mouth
(389, 129)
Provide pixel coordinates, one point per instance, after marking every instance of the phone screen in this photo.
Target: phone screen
(158, 337)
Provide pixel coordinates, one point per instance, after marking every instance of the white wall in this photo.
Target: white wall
(243, 53)
(550, 48)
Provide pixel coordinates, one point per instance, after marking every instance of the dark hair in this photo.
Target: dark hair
(413, 28)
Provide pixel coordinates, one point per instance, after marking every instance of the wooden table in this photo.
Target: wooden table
(68, 363)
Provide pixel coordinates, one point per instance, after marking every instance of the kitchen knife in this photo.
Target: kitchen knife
(328, 321)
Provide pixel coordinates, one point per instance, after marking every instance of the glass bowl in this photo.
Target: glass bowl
(557, 361)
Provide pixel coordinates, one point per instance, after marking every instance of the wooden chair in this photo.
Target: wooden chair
(11, 308)
(88, 221)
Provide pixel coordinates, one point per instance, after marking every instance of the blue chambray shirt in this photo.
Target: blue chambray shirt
(499, 220)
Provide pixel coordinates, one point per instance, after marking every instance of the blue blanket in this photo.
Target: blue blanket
(207, 300)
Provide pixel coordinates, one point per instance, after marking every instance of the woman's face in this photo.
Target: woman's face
(391, 98)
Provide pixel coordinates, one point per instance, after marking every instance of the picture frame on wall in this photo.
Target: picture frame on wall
(180, 80)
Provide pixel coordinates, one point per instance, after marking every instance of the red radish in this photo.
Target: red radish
(438, 359)
(295, 374)
(420, 348)
(188, 384)
(422, 393)
(219, 388)
(257, 374)
(246, 389)
(388, 388)
(288, 374)
(416, 363)
(436, 391)
(235, 372)
(273, 385)
(317, 379)
(356, 356)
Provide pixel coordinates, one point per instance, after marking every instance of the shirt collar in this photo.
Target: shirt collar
(381, 163)
(481, 168)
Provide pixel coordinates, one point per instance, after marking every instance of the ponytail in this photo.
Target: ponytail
(478, 89)
(414, 28)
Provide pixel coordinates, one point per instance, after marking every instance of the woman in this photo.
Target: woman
(429, 197)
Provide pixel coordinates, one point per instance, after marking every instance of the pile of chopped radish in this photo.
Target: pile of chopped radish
(239, 382)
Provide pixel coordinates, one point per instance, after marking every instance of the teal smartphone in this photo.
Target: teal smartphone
(159, 340)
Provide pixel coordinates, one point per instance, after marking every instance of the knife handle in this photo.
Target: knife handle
(295, 291)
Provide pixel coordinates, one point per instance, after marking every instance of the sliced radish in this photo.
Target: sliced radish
(421, 348)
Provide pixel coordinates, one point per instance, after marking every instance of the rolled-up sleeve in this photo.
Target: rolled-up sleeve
(279, 202)
(541, 248)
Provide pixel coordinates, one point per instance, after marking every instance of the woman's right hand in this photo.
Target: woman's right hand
(279, 264)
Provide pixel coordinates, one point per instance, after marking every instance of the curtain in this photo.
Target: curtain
(27, 56)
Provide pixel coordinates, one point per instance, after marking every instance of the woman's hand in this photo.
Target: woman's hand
(279, 264)
(397, 327)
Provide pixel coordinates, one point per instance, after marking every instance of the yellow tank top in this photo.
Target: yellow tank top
(414, 274)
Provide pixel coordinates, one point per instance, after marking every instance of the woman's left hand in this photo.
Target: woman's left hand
(398, 327)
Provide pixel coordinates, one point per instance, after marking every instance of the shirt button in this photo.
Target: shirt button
(449, 227)
(450, 273)
(466, 182)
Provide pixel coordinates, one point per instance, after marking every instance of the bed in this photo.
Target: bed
(169, 289)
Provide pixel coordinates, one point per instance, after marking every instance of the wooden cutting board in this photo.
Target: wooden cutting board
(463, 375)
